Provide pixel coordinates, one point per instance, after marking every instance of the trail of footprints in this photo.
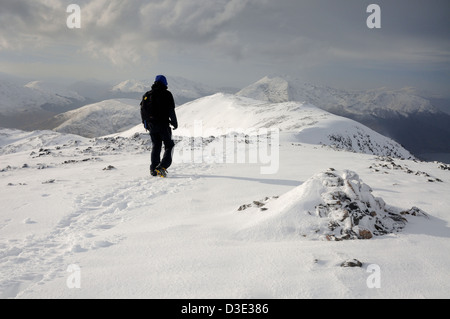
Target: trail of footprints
(35, 260)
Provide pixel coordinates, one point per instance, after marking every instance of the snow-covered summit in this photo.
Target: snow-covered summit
(304, 123)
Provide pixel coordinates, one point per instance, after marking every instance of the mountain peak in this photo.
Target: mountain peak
(270, 89)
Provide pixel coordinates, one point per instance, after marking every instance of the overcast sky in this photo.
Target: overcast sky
(231, 42)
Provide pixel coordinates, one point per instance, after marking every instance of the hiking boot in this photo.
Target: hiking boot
(161, 171)
(153, 172)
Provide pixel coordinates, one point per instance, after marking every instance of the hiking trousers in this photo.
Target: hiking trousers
(161, 134)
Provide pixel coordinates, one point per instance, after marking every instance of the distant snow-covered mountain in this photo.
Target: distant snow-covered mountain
(98, 119)
(382, 102)
(22, 106)
(53, 89)
(184, 90)
(401, 114)
(35, 95)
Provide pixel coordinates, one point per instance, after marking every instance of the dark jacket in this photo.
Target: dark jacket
(158, 107)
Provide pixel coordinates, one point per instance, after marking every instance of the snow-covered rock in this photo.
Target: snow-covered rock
(15, 141)
(330, 205)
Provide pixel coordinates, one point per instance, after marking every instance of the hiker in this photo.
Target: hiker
(157, 113)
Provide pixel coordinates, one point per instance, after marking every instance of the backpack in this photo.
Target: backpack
(156, 106)
(146, 106)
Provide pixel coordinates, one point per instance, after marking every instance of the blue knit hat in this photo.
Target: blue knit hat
(161, 79)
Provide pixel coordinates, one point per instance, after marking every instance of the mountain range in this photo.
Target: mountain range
(403, 115)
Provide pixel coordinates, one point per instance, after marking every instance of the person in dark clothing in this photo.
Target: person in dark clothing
(158, 113)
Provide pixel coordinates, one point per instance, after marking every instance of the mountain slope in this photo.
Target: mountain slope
(98, 119)
(223, 113)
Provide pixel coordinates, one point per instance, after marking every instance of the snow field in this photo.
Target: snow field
(133, 236)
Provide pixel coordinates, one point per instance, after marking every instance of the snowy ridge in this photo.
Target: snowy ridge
(223, 113)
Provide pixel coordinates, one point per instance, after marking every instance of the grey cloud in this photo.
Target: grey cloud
(117, 24)
(250, 35)
(26, 22)
(117, 27)
(285, 29)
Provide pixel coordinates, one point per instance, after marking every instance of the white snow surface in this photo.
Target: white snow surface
(82, 218)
